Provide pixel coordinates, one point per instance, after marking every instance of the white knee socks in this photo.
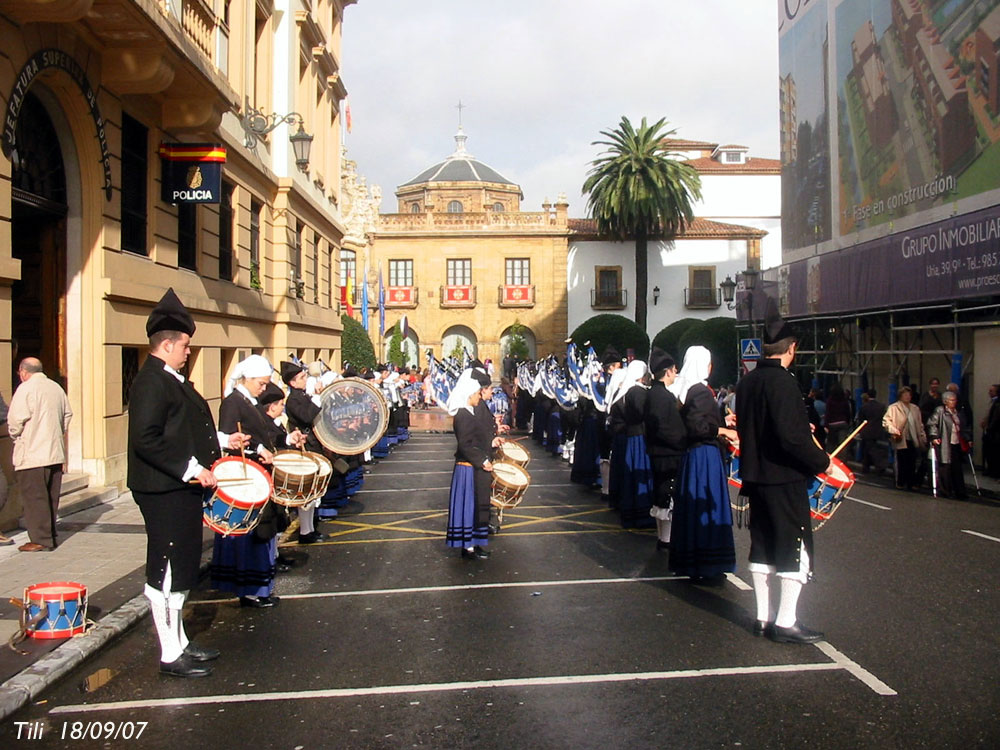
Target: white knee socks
(663, 529)
(762, 593)
(307, 523)
(790, 590)
(170, 648)
(176, 603)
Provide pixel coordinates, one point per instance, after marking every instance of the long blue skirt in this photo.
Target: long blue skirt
(631, 481)
(701, 537)
(586, 454)
(244, 564)
(538, 420)
(464, 529)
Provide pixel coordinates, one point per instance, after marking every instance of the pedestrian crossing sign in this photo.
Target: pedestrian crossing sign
(750, 349)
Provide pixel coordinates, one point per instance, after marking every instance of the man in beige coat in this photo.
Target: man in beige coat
(37, 421)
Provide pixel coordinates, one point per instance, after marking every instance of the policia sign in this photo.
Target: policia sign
(192, 172)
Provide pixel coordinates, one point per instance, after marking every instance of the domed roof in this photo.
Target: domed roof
(461, 166)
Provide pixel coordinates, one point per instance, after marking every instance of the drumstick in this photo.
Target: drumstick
(848, 439)
(243, 455)
(226, 480)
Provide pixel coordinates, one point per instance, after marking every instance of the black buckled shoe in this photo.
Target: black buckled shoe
(761, 628)
(797, 633)
(476, 553)
(201, 653)
(185, 666)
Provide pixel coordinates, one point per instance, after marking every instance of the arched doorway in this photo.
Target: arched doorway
(38, 241)
(457, 338)
(509, 337)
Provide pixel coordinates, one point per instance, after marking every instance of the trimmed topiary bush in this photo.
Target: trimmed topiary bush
(616, 330)
(668, 339)
(719, 336)
(357, 347)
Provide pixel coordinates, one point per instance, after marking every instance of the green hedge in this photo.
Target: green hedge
(614, 330)
(719, 336)
(357, 347)
(668, 339)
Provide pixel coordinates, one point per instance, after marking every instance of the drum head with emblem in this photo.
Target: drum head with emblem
(352, 417)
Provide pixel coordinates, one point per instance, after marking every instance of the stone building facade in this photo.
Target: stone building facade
(91, 89)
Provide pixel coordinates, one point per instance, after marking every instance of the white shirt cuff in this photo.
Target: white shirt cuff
(193, 469)
(223, 440)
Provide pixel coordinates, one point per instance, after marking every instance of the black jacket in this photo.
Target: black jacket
(665, 431)
(236, 412)
(628, 413)
(169, 422)
(302, 411)
(776, 445)
(474, 435)
(701, 415)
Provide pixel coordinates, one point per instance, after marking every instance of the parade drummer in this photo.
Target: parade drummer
(666, 441)
(245, 564)
(172, 442)
(778, 457)
(302, 411)
(471, 482)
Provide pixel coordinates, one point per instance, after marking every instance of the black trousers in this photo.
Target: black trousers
(906, 468)
(40, 487)
(951, 478)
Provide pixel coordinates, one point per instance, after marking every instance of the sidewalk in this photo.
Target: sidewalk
(102, 547)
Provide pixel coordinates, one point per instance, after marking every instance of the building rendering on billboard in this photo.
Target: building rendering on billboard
(890, 146)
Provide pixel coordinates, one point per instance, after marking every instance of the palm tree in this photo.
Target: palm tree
(636, 190)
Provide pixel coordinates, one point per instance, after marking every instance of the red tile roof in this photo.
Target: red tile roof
(683, 145)
(753, 165)
(699, 229)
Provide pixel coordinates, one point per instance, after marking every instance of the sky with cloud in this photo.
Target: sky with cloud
(541, 78)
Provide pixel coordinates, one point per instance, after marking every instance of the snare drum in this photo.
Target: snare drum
(322, 482)
(734, 466)
(294, 476)
(509, 484)
(826, 491)
(514, 453)
(243, 491)
(55, 610)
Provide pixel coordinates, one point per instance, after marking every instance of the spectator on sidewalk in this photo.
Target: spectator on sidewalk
(991, 435)
(838, 416)
(930, 400)
(872, 411)
(37, 421)
(5, 541)
(906, 433)
(951, 434)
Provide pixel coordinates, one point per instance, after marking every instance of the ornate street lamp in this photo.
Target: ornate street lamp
(256, 124)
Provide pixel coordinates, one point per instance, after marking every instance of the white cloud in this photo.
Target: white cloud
(542, 78)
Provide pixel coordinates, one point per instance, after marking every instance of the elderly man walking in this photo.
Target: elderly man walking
(37, 421)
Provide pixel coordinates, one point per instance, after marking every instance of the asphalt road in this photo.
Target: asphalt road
(572, 635)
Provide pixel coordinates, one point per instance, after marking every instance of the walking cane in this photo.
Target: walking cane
(933, 453)
(972, 465)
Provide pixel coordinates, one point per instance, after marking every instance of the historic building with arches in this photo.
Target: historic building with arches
(98, 98)
(465, 264)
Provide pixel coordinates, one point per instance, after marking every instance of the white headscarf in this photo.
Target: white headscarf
(697, 362)
(464, 388)
(254, 366)
(631, 377)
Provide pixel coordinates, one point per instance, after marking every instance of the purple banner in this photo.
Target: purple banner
(947, 260)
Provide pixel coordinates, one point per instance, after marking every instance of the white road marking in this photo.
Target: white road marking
(460, 587)
(984, 536)
(404, 489)
(865, 502)
(442, 687)
(856, 669)
(738, 582)
(408, 473)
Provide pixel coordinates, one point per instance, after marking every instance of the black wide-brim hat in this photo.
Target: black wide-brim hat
(289, 370)
(271, 394)
(170, 315)
(660, 360)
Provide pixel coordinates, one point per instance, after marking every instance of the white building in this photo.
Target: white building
(738, 223)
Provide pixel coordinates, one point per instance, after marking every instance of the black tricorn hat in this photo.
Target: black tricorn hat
(271, 394)
(349, 371)
(610, 356)
(289, 370)
(776, 328)
(660, 360)
(170, 315)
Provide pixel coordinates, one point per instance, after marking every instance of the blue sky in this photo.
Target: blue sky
(541, 78)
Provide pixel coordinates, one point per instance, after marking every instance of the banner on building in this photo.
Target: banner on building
(192, 172)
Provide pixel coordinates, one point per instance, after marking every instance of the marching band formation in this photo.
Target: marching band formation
(654, 439)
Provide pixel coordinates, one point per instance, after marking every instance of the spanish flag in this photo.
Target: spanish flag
(350, 296)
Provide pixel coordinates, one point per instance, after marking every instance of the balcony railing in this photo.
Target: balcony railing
(516, 295)
(458, 296)
(609, 299)
(700, 297)
(402, 296)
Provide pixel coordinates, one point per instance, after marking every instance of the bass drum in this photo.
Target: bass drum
(353, 415)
